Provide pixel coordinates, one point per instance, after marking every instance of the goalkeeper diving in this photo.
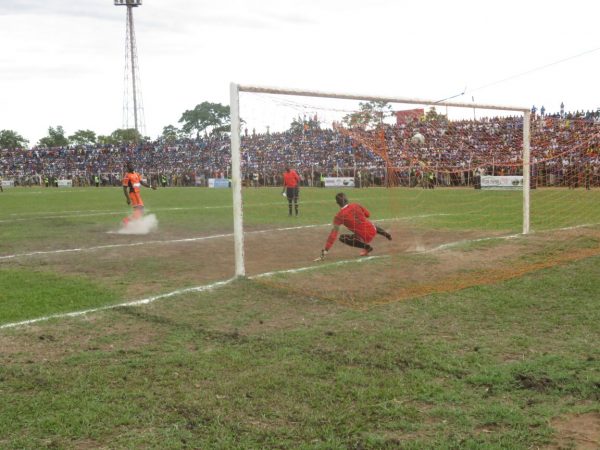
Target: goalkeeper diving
(354, 217)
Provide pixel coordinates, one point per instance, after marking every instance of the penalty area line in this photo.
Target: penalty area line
(183, 240)
(203, 288)
(315, 267)
(144, 301)
(219, 284)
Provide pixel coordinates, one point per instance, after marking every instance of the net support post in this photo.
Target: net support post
(526, 170)
(236, 181)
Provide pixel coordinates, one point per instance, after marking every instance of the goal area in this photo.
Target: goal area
(399, 149)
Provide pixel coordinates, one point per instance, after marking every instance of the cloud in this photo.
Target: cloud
(96, 10)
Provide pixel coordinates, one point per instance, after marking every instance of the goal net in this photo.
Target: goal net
(435, 174)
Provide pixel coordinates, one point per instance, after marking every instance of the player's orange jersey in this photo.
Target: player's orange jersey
(133, 181)
(291, 179)
(354, 217)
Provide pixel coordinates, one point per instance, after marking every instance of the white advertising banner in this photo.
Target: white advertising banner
(502, 182)
(65, 183)
(339, 182)
(218, 183)
(8, 183)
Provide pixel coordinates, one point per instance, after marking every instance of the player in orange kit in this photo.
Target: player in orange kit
(354, 217)
(131, 188)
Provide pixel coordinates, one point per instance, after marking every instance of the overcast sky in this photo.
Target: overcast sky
(62, 62)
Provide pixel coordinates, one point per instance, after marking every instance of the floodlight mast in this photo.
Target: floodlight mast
(132, 52)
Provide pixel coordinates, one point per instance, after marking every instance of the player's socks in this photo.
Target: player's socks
(384, 233)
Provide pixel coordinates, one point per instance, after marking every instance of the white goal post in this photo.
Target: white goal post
(236, 175)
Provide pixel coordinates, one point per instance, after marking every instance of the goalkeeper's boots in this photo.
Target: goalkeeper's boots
(366, 251)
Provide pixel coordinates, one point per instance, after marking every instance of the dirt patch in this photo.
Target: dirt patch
(471, 261)
(531, 382)
(37, 344)
(415, 263)
(580, 432)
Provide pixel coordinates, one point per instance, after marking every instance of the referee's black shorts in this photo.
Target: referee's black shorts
(292, 193)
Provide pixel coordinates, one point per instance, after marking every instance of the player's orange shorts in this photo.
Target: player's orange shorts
(136, 199)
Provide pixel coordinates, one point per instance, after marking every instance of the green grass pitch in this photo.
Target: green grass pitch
(279, 362)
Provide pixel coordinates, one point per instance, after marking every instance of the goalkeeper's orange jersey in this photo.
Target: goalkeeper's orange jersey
(354, 217)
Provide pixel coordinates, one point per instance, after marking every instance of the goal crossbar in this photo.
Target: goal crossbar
(348, 96)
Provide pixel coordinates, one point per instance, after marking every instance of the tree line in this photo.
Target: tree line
(206, 117)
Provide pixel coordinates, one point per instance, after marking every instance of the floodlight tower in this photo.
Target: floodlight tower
(131, 63)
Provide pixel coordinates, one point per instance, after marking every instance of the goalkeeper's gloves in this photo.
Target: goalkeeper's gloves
(322, 257)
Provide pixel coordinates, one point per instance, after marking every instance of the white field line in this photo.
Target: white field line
(98, 212)
(177, 241)
(144, 301)
(29, 214)
(315, 267)
(218, 284)
(507, 236)
(203, 288)
(101, 247)
(469, 241)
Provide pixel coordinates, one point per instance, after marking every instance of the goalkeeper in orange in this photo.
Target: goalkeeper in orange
(354, 217)
(131, 188)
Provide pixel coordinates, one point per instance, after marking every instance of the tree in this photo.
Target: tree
(171, 133)
(302, 124)
(126, 136)
(204, 116)
(104, 140)
(83, 137)
(432, 114)
(56, 138)
(11, 139)
(121, 136)
(370, 115)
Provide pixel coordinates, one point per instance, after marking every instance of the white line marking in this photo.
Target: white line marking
(225, 282)
(469, 241)
(100, 247)
(177, 241)
(317, 266)
(62, 217)
(144, 301)
(575, 227)
(99, 212)
(507, 236)
(203, 288)
(60, 212)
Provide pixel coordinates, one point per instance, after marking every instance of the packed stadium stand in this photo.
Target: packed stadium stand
(564, 152)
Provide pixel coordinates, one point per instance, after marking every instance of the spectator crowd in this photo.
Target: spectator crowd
(564, 151)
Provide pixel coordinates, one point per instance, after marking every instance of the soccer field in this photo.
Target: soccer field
(60, 249)
(459, 333)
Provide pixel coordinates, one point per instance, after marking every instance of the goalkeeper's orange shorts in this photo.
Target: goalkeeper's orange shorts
(136, 199)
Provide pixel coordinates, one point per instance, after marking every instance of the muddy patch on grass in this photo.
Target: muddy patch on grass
(580, 431)
(455, 261)
(47, 342)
